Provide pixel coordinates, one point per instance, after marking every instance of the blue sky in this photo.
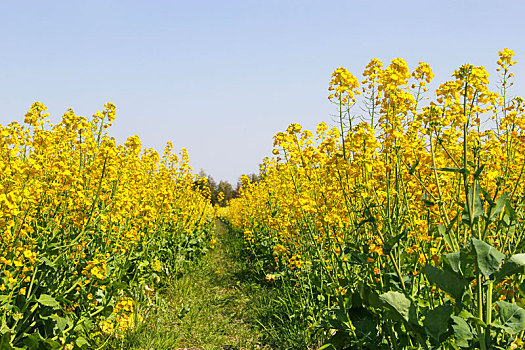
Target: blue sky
(222, 77)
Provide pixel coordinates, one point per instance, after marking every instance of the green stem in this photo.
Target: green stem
(481, 334)
(489, 313)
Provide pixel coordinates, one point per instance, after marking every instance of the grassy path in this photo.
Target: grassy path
(211, 306)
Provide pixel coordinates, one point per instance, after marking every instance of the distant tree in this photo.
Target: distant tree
(227, 189)
(224, 186)
(253, 179)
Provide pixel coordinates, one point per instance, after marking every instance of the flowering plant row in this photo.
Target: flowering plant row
(89, 229)
(401, 228)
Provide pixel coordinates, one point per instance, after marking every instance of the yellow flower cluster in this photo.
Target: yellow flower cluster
(122, 319)
(344, 86)
(505, 59)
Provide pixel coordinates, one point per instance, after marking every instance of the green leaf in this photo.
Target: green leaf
(478, 203)
(509, 215)
(365, 328)
(462, 331)
(47, 262)
(442, 230)
(512, 317)
(5, 341)
(427, 202)
(81, 341)
(336, 342)
(521, 288)
(515, 264)
(373, 299)
(119, 285)
(446, 280)
(392, 242)
(454, 260)
(400, 304)
(509, 210)
(48, 300)
(479, 171)
(465, 314)
(489, 259)
(62, 322)
(477, 321)
(4, 329)
(487, 197)
(436, 322)
(33, 341)
(477, 209)
(450, 170)
(36, 341)
(498, 207)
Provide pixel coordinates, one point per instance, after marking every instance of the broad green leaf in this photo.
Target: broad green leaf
(489, 259)
(366, 328)
(476, 208)
(515, 264)
(400, 304)
(442, 230)
(446, 280)
(81, 341)
(465, 314)
(462, 331)
(32, 341)
(119, 285)
(454, 260)
(62, 323)
(478, 203)
(436, 322)
(53, 344)
(48, 300)
(510, 215)
(498, 207)
(512, 317)
(509, 210)
(373, 299)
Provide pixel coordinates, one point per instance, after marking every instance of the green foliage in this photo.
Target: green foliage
(224, 187)
(215, 302)
(489, 259)
(401, 305)
(512, 317)
(447, 281)
(436, 322)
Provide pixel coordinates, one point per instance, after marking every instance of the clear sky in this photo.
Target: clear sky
(222, 77)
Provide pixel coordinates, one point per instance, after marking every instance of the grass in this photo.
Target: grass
(218, 303)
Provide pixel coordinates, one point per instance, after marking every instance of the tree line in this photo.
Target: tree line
(227, 189)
